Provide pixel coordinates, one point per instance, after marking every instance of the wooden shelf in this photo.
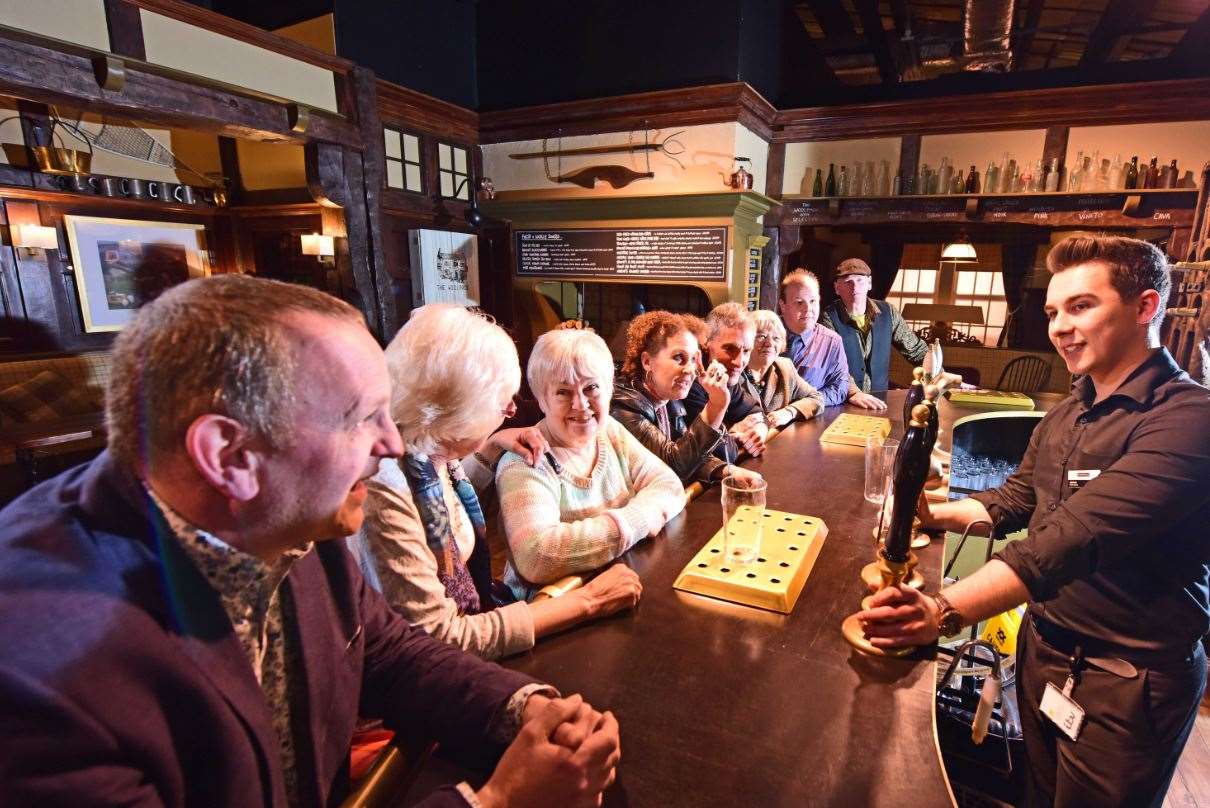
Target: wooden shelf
(1165, 207)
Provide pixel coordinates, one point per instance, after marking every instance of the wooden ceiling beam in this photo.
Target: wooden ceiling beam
(833, 18)
(1196, 41)
(876, 35)
(1120, 19)
(1032, 21)
(64, 75)
(1142, 102)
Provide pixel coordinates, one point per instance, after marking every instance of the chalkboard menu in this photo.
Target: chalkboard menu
(659, 253)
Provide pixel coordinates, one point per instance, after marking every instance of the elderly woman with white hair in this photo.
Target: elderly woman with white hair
(605, 491)
(784, 394)
(423, 542)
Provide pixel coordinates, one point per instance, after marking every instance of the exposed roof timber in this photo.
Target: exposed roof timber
(903, 17)
(832, 18)
(875, 34)
(1120, 19)
(1195, 42)
(1033, 18)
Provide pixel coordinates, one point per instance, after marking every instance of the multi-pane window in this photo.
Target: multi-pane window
(453, 172)
(985, 289)
(914, 286)
(403, 160)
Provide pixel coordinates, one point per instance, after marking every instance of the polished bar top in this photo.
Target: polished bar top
(721, 704)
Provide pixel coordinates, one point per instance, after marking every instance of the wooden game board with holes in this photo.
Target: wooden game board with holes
(789, 545)
(852, 430)
(991, 398)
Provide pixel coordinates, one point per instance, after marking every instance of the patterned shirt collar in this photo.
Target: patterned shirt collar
(245, 584)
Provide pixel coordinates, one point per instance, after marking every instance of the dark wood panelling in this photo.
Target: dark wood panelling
(775, 170)
(1054, 147)
(715, 103)
(412, 110)
(1172, 100)
(909, 161)
(30, 69)
(204, 18)
(125, 29)
(373, 180)
(228, 155)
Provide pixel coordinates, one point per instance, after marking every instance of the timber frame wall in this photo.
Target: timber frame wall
(345, 192)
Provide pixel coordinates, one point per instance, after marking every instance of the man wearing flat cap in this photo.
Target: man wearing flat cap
(868, 328)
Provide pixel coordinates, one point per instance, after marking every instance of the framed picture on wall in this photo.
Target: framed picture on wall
(120, 264)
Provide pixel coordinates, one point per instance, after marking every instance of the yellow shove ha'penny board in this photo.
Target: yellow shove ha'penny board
(992, 398)
(852, 430)
(789, 545)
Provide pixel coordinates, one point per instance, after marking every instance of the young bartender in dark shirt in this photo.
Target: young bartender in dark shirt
(1115, 488)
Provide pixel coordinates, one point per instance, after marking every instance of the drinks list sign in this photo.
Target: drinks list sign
(660, 253)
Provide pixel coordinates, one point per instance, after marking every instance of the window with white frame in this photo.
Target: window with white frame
(453, 171)
(403, 160)
(983, 288)
(952, 283)
(914, 286)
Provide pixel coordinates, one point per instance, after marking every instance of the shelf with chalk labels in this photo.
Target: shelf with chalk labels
(1118, 208)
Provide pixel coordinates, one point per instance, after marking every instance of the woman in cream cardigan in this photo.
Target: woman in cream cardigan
(604, 492)
(423, 543)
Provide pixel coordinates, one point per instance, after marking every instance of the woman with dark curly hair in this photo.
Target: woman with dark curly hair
(663, 358)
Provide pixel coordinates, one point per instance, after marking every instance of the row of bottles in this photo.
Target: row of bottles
(864, 180)
(1008, 176)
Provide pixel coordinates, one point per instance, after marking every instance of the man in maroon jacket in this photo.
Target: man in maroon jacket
(174, 628)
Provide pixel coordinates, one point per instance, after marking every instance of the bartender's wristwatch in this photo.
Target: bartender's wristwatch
(949, 619)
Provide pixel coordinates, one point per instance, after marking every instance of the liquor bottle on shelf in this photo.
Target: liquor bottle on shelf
(817, 187)
(1117, 174)
(945, 176)
(897, 185)
(957, 183)
(972, 181)
(1149, 174)
(829, 188)
(856, 180)
(991, 179)
(842, 183)
(1054, 175)
(1132, 174)
(1008, 180)
(869, 183)
(922, 182)
(1075, 177)
(1171, 175)
(1037, 177)
(884, 178)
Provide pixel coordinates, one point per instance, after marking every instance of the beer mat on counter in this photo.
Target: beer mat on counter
(789, 545)
(991, 398)
(852, 430)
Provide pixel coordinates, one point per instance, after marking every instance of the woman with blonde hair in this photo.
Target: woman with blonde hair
(603, 493)
(663, 357)
(783, 393)
(423, 543)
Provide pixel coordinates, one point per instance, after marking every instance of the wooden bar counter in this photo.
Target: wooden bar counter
(723, 705)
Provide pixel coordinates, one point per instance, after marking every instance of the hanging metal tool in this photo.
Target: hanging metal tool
(616, 175)
(670, 146)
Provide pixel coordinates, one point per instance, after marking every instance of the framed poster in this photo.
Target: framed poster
(120, 264)
(445, 267)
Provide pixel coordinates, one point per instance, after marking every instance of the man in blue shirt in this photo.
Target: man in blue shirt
(817, 353)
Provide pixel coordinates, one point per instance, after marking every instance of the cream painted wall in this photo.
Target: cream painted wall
(707, 162)
(751, 145)
(1187, 141)
(195, 50)
(79, 21)
(804, 157)
(318, 33)
(266, 166)
(980, 148)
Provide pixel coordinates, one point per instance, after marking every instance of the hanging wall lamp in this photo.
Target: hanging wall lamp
(322, 247)
(960, 251)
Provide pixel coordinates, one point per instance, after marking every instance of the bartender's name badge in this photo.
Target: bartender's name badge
(1062, 710)
(1078, 478)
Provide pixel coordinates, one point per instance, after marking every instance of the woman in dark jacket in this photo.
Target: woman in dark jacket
(663, 358)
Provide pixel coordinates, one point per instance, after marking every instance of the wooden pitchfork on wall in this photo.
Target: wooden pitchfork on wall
(618, 176)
